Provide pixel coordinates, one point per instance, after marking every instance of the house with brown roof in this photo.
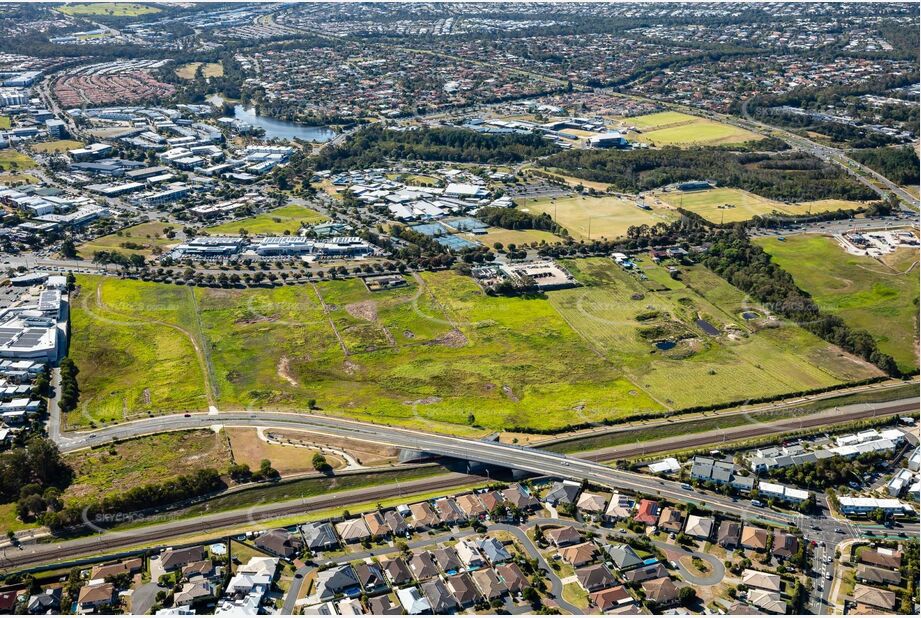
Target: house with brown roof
(883, 599)
(424, 516)
(578, 555)
(353, 530)
(728, 534)
(193, 592)
(464, 590)
(371, 577)
(396, 523)
(520, 498)
(449, 512)
(489, 584)
(491, 500)
(661, 591)
(760, 579)
(512, 576)
(671, 520)
(383, 605)
(447, 560)
(377, 526)
(647, 512)
(620, 507)
(645, 573)
(202, 568)
(591, 504)
(102, 571)
(754, 538)
(397, 571)
(172, 559)
(869, 574)
(887, 560)
(595, 577)
(562, 537)
(280, 542)
(784, 545)
(95, 596)
(423, 566)
(769, 601)
(606, 600)
(471, 506)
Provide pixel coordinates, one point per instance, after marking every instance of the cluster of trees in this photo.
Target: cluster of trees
(375, 146)
(900, 165)
(832, 472)
(748, 267)
(70, 390)
(34, 476)
(121, 505)
(514, 219)
(791, 176)
(135, 260)
(241, 473)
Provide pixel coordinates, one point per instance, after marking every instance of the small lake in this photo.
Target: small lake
(748, 315)
(282, 129)
(665, 345)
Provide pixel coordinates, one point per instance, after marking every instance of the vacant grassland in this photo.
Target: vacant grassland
(122, 466)
(248, 448)
(145, 239)
(209, 69)
(879, 296)
(623, 316)
(726, 205)
(509, 237)
(678, 129)
(272, 223)
(114, 9)
(596, 217)
(57, 146)
(135, 350)
(13, 160)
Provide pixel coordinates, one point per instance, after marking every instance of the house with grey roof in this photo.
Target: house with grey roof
(440, 598)
(494, 550)
(623, 556)
(319, 536)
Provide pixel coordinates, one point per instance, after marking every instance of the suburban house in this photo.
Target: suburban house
(469, 553)
(339, 580)
(874, 597)
(371, 578)
(447, 560)
(661, 591)
(645, 573)
(754, 538)
(728, 534)
(770, 602)
(423, 566)
(562, 492)
(671, 520)
(699, 527)
(512, 576)
(413, 601)
(578, 555)
(319, 536)
(424, 516)
(353, 530)
(759, 579)
(875, 575)
(494, 550)
(464, 590)
(591, 504)
(471, 506)
(377, 526)
(92, 597)
(172, 559)
(489, 584)
(620, 507)
(647, 512)
(397, 571)
(440, 598)
(595, 577)
(785, 544)
(396, 523)
(624, 557)
(612, 598)
(561, 537)
(279, 542)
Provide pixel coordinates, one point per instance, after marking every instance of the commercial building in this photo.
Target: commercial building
(37, 328)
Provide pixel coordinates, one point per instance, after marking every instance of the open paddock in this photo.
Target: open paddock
(586, 217)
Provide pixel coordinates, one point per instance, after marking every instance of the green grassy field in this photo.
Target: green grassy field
(134, 346)
(145, 239)
(879, 296)
(122, 466)
(517, 237)
(274, 222)
(622, 316)
(724, 205)
(677, 129)
(56, 146)
(607, 216)
(423, 356)
(5, 122)
(115, 9)
(13, 160)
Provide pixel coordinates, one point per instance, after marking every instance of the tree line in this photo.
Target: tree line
(375, 146)
(514, 219)
(791, 176)
(748, 267)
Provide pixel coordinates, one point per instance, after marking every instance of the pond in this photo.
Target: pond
(665, 345)
(748, 315)
(707, 327)
(282, 129)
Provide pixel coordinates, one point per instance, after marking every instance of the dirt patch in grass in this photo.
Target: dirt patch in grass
(365, 310)
(451, 339)
(284, 370)
(248, 448)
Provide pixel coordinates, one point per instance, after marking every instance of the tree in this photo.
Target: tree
(68, 249)
(687, 596)
(320, 464)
